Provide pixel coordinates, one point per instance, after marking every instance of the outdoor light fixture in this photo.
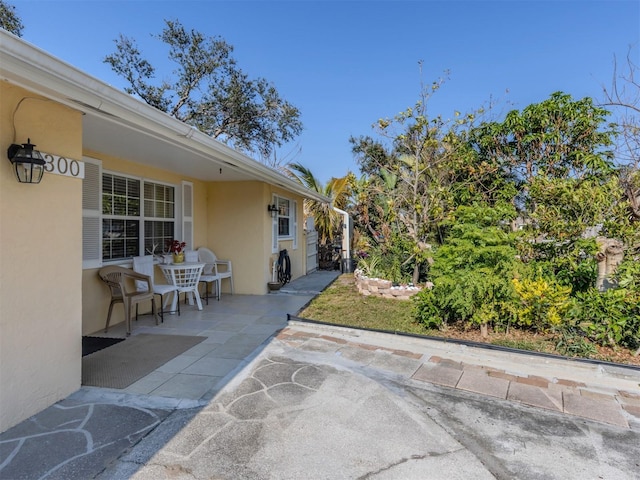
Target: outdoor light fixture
(273, 210)
(27, 162)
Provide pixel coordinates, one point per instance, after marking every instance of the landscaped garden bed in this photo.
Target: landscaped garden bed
(341, 304)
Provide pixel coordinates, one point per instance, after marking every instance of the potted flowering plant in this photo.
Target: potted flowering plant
(177, 248)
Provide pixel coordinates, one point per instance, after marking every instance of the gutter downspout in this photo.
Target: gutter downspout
(346, 252)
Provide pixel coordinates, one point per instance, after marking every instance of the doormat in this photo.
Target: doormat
(93, 344)
(127, 362)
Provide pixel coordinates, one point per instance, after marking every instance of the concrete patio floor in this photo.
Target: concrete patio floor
(263, 398)
(235, 327)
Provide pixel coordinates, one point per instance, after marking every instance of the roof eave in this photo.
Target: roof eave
(28, 66)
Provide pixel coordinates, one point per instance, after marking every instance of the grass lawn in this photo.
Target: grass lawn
(341, 304)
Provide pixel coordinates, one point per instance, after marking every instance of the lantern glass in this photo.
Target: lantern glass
(29, 172)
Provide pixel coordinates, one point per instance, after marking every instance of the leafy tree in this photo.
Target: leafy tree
(558, 155)
(9, 19)
(327, 220)
(372, 156)
(558, 138)
(411, 174)
(209, 91)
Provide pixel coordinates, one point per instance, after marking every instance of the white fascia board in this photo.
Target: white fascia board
(28, 66)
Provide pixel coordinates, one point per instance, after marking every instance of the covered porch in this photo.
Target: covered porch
(234, 328)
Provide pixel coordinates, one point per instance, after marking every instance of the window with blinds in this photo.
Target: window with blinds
(129, 230)
(120, 217)
(284, 217)
(285, 225)
(159, 214)
(125, 216)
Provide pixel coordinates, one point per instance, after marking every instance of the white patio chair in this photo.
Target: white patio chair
(215, 270)
(144, 265)
(191, 256)
(209, 280)
(123, 283)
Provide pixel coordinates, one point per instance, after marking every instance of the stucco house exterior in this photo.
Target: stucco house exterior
(120, 176)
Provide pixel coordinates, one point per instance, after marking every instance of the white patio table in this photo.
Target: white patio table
(185, 276)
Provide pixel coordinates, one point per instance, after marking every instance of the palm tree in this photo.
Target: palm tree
(327, 220)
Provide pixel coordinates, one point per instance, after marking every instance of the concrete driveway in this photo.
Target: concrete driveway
(322, 406)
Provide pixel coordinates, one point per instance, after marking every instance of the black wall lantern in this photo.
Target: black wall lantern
(27, 162)
(273, 210)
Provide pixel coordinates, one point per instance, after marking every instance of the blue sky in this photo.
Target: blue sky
(347, 63)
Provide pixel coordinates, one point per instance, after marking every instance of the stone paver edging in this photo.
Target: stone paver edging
(606, 405)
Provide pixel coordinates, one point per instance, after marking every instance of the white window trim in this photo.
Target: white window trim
(293, 214)
(275, 246)
(290, 217)
(293, 224)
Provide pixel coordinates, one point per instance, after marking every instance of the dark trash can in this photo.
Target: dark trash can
(347, 265)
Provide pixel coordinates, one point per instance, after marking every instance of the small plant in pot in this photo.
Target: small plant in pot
(176, 247)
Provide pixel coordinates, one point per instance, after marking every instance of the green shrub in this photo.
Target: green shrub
(471, 273)
(370, 266)
(608, 318)
(390, 260)
(427, 310)
(570, 263)
(571, 342)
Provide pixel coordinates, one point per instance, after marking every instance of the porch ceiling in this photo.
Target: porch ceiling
(137, 144)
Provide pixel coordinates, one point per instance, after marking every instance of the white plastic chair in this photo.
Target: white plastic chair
(215, 269)
(144, 265)
(191, 256)
(209, 279)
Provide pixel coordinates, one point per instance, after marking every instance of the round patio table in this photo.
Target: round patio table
(185, 276)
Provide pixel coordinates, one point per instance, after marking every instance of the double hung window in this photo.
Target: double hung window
(284, 217)
(159, 214)
(137, 216)
(285, 224)
(126, 216)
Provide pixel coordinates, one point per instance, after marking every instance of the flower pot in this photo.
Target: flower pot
(178, 257)
(274, 286)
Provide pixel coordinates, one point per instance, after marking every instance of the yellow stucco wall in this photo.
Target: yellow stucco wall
(236, 232)
(40, 261)
(240, 230)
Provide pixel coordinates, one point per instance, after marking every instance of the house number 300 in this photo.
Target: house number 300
(63, 166)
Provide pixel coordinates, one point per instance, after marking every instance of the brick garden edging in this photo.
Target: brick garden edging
(378, 287)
